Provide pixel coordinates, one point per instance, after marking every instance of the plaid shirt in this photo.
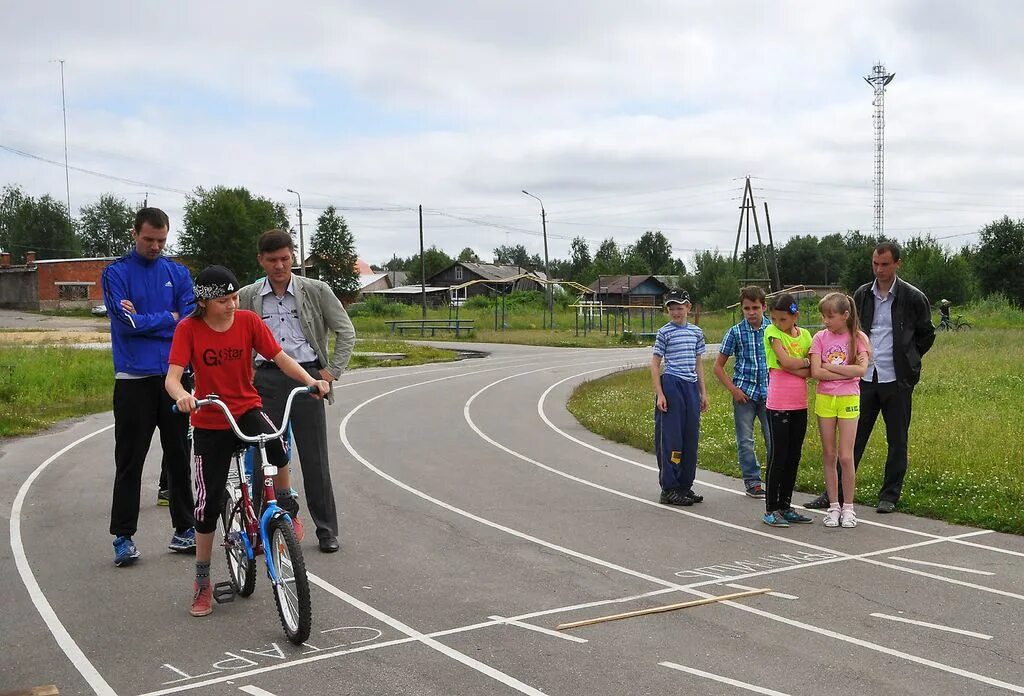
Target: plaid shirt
(750, 373)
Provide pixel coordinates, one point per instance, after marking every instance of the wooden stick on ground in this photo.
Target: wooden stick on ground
(662, 609)
(49, 690)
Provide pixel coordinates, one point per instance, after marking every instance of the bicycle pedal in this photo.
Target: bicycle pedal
(223, 593)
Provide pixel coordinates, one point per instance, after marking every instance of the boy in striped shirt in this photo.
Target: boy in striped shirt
(681, 396)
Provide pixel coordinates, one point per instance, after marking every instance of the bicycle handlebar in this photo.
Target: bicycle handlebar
(214, 400)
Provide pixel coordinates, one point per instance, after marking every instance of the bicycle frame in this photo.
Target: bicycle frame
(257, 529)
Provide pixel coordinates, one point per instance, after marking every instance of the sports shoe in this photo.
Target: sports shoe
(125, 552)
(795, 517)
(202, 600)
(163, 497)
(756, 491)
(848, 518)
(297, 528)
(675, 497)
(819, 503)
(775, 519)
(694, 496)
(832, 517)
(185, 542)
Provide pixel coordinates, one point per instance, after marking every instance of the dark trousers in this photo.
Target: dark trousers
(676, 433)
(895, 406)
(309, 431)
(140, 407)
(787, 430)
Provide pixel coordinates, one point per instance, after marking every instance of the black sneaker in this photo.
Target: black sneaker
(819, 503)
(694, 497)
(756, 491)
(675, 497)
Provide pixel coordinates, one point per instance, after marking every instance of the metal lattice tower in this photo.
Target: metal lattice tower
(878, 80)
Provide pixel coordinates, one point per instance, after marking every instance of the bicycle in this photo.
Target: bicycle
(245, 533)
(957, 323)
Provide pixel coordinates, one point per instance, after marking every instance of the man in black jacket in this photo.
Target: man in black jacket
(898, 320)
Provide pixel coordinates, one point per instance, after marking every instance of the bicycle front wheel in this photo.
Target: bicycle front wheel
(291, 593)
(963, 326)
(241, 568)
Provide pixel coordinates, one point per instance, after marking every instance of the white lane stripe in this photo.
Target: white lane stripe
(255, 691)
(343, 434)
(724, 680)
(454, 654)
(941, 565)
(538, 629)
(991, 548)
(780, 595)
(938, 627)
(60, 634)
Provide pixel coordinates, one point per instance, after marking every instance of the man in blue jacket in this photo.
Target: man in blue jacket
(146, 295)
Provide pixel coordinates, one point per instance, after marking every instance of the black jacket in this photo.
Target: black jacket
(912, 330)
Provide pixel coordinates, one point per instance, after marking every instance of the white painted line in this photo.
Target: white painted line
(938, 627)
(60, 634)
(941, 565)
(780, 595)
(723, 680)
(538, 629)
(255, 691)
(343, 435)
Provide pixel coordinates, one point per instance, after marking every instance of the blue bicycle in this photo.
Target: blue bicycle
(248, 534)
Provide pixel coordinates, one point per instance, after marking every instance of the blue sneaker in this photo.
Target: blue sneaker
(795, 517)
(775, 519)
(184, 542)
(125, 552)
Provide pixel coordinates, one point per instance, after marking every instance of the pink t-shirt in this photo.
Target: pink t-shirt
(833, 349)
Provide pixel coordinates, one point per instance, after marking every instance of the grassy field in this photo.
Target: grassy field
(40, 385)
(966, 440)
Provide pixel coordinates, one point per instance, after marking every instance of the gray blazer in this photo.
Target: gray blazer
(320, 312)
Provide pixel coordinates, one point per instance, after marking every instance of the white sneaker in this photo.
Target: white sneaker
(832, 517)
(848, 519)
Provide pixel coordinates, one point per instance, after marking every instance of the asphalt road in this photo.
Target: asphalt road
(477, 515)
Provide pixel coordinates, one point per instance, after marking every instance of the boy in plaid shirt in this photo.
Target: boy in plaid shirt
(749, 383)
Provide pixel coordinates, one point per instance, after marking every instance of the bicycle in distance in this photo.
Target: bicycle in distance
(248, 533)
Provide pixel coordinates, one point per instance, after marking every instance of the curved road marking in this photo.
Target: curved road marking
(343, 434)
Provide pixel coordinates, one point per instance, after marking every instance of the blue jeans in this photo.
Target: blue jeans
(743, 416)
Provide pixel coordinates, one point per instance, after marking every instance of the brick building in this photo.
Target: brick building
(52, 283)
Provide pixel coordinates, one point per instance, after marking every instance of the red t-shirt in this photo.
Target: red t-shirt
(223, 363)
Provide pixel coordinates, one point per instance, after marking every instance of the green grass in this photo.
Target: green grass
(415, 354)
(966, 440)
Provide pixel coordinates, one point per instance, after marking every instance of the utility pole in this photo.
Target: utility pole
(547, 272)
(302, 242)
(423, 270)
(748, 209)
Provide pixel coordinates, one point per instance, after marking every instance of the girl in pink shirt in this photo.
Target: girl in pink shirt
(839, 358)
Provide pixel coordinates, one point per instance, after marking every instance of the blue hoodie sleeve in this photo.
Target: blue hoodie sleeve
(185, 298)
(114, 290)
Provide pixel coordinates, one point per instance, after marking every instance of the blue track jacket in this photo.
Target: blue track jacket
(142, 341)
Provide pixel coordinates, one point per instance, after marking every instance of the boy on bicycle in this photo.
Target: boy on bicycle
(218, 340)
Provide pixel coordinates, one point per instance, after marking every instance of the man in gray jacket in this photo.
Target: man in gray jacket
(301, 313)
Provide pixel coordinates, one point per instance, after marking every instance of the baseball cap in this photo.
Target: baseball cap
(215, 281)
(678, 296)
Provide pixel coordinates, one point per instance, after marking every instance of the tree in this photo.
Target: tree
(999, 261)
(104, 227)
(716, 280)
(39, 225)
(653, 253)
(579, 261)
(397, 263)
(801, 262)
(512, 255)
(221, 226)
(608, 259)
(334, 254)
(467, 255)
(434, 260)
(935, 272)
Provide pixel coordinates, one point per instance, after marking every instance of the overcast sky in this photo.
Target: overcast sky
(621, 116)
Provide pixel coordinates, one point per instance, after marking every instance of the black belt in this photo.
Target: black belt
(271, 365)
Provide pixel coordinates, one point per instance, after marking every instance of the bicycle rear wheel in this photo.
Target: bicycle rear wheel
(291, 593)
(241, 568)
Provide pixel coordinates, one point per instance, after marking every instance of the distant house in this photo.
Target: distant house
(632, 290)
(374, 281)
(493, 278)
(411, 294)
(51, 283)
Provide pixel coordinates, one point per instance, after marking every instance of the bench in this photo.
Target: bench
(458, 326)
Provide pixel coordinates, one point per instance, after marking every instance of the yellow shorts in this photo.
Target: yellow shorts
(826, 406)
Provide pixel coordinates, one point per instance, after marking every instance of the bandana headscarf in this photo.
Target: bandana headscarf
(215, 281)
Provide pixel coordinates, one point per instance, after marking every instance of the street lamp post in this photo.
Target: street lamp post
(547, 273)
(302, 238)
